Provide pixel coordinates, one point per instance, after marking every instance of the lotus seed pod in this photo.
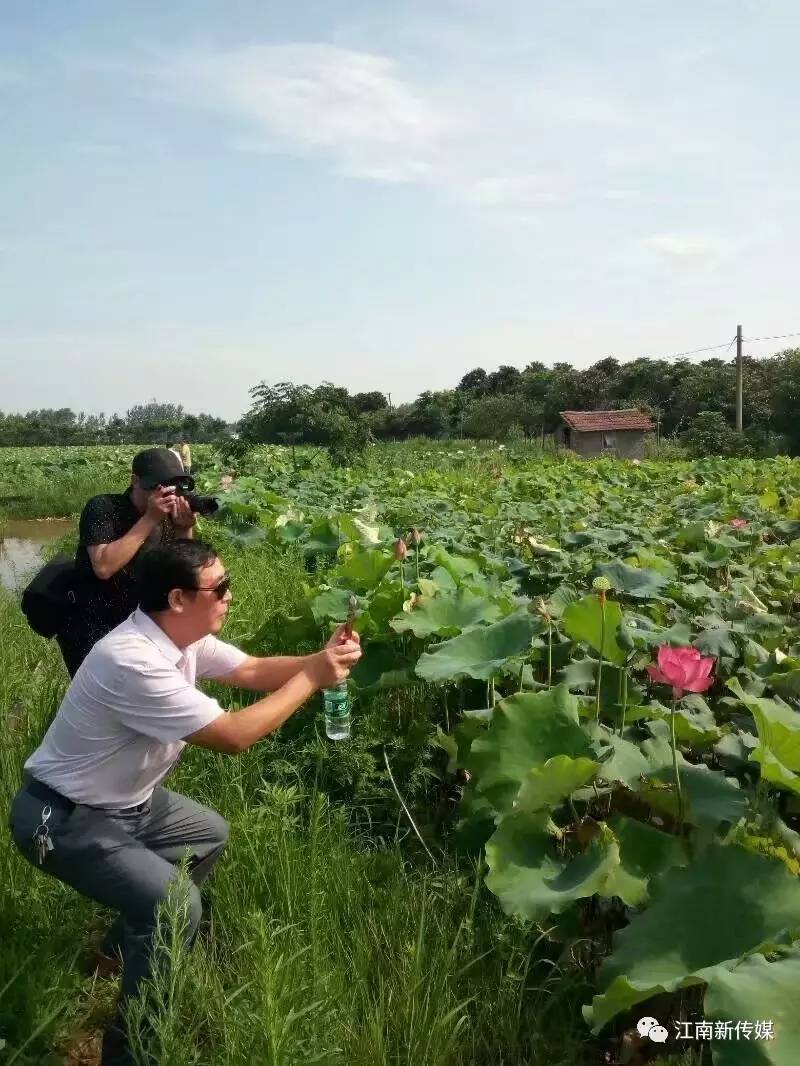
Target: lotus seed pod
(601, 584)
(400, 549)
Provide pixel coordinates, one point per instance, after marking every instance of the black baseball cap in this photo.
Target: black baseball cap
(160, 466)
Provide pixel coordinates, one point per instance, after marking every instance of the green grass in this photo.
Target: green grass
(329, 938)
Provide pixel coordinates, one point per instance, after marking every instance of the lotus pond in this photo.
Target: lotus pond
(640, 826)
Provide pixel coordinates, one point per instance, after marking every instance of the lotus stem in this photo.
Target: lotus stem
(602, 645)
(675, 770)
(624, 701)
(549, 653)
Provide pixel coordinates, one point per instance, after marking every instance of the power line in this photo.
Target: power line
(727, 346)
(776, 337)
(694, 351)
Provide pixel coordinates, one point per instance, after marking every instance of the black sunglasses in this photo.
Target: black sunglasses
(219, 589)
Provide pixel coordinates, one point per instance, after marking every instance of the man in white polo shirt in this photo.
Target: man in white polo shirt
(92, 810)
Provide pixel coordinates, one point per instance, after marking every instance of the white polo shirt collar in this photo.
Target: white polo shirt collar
(145, 624)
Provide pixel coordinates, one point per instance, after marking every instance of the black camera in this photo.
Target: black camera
(203, 505)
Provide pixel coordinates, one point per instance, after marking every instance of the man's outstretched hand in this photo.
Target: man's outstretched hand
(334, 663)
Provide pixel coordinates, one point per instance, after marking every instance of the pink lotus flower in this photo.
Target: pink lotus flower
(683, 668)
(226, 481)
(400, 549)
(738, 523)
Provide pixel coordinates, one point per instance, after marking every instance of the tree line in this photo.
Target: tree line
(692, 401)
(161, 423)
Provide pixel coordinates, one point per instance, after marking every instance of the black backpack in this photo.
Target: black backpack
(50, 598)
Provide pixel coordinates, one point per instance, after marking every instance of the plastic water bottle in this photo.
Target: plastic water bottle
(336, 702)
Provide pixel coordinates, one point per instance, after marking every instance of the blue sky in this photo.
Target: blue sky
(198, 196)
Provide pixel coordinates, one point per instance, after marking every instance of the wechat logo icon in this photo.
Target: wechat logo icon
(650, 1027)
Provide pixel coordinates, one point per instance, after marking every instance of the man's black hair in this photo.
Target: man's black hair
(173, 565)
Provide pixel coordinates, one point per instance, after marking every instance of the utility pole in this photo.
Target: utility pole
(739, 376)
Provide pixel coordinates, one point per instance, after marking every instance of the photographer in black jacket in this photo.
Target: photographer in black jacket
(114, 529)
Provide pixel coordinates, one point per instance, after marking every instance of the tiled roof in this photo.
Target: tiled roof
(594, 421)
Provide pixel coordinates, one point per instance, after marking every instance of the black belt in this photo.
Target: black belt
(47, 795)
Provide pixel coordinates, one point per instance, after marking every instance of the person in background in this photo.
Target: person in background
(93, 811)
(186, 455)
(113, 531)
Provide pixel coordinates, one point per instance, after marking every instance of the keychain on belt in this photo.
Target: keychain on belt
(42, 842)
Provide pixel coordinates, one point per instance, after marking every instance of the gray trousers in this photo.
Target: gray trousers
(126, 860)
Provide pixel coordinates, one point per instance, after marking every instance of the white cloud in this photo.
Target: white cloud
(351, 107)
(508, 132)
(514, 143)
(687, 247)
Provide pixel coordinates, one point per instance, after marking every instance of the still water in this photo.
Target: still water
(22, 541)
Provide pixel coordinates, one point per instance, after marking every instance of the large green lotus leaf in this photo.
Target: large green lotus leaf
(548, 785)
(529, 878)
(644, 634)
(702, 916)
(612, 538)
(442, 580)
(786, 683)
(472, 725)
(363, 570)
(620, 759)
(584, 621)
(757, 990)
(696, 590)
(323, 537)
(333, 604)
(290, 531)
(382, 666)
(356, 529)
(691, 535)
(561, 598)
(696, 727)
(482, 652)
(526, 730)
(778, 727)
(716, 642)
(644, 852)
(580, 674)
(710, 798)
(457, 566)
(651, 561)
(446, 614)
(384, 603)
(634, 580)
